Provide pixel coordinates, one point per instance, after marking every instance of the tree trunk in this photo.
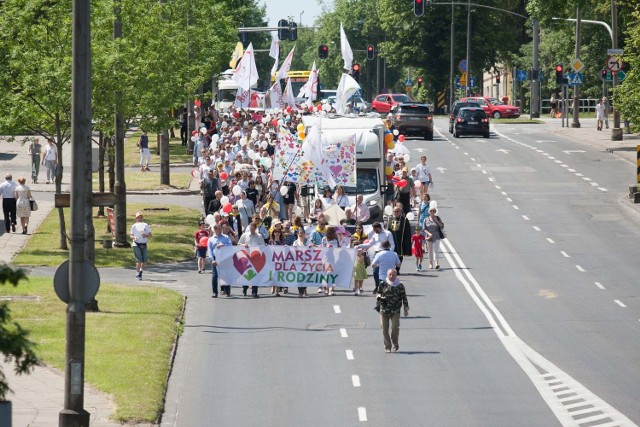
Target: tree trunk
(101, 153)
(164, 158)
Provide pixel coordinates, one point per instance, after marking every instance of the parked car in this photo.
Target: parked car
(384, 102)
(471, 121)
(413, 119)
(494, 107)
(456, 107)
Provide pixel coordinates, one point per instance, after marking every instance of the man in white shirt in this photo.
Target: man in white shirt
(424, 175)
(360, 210)
(50, 160)
(379, 240)
(8, 192)
(140, 232)
(250, 238)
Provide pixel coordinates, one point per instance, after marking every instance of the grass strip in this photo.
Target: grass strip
(172, 238)
(177, 152)
(149, 181)
(128, 343)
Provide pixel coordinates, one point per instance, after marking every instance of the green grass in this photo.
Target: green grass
(128, 343)
(150, 181)
(177, 153)
(524, 119)
(171, 241)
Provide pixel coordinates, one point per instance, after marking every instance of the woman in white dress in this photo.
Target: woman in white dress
(23, 207)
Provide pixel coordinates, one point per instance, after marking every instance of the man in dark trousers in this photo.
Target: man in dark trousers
(210, 185)
(401, 229)
(184, 123)
(8, 192)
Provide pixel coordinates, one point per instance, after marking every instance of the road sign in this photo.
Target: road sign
(472, 82)
(408, 82)
(458, 82)
(577, 65)
(541, 76)
(462, 65)
(608, 77)
(521, 75)
(90, 286)
(621, 76)
(614, 63)
(575, 79)
(463, 79)
(615, 51)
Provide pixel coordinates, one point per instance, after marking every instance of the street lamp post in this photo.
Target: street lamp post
(616, 132)
(576, 89)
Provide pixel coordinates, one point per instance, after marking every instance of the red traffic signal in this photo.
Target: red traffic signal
(497, 78)
(323, 51)
(420, 81)
(371, 52)
(560, 74)
(418, 7)
(355, 72)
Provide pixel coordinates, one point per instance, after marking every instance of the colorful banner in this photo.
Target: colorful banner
(340, 159)
(285, 266)
(287, 159)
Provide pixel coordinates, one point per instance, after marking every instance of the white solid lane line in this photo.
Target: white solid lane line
(336, 308)
(362, 413)
(343, 333)
(349, 354)
(355, 379)
(617, 301)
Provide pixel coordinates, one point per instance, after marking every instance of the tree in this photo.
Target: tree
(14, 340)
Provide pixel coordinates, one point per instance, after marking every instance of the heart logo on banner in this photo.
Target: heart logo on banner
(258, 259)
(336, 169)
(243, 261)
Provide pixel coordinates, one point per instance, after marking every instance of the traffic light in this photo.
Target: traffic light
(497, 78)
(283, 29)
(371, 52)
(603, 74)
(293, 31)
(418, 7)
(355, 72)
(323, 51)
(243, 35)
(419, 82)
(560, 74)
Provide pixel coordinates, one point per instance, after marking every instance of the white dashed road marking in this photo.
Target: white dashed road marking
(349, 354)
(564, 254)
(617, 301)
(343, 333)
(580, 268)
(550, 240)
(336, 308)
(355, 379)
(600, 285)
(362, 413)
(526, 218)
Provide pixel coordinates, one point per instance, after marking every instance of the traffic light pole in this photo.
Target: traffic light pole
(576, 89)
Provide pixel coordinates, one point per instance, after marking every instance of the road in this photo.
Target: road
(532, 321)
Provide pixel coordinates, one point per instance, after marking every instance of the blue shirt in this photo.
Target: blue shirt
(213, 242)
(385, 260)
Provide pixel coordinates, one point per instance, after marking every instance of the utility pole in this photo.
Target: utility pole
(74, 414)
(576, 89)
(468, 91)
(452, 70)
(534, 108)
(616, 132)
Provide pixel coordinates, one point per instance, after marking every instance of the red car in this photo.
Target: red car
(384, 102)
(494, 107)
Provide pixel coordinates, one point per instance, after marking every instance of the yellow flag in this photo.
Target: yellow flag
(236, 55)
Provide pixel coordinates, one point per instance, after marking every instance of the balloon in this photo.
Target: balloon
(243, 141)
(388, 138)
(254, 134)
(388, 170)
(194, 138)
(410, 216)
(210, 219)
(237, 190)
(214, 138)
(236, 115)
(288, 109)
(203, 129)
(268, 163)
(311, 108)
(396, 132)
(203, 241)
(407, 158)
(227, 208)
(401, 138)
(402, 183)
(274, 122)
(388, 210)
(195, 173)
(297, 210)
(391, 145)
(224, 176)
(418, 184)
(224, 200)
(264, 120)
(319, 107)
(302, 135)
(252, 154)
(300, 127)
(197, 102)
(263, 144)
(195, 132)
(283, 190)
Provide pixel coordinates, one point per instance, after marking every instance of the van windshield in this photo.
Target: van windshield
(367, 182)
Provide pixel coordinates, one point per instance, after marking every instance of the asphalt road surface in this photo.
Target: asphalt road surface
(531, 321)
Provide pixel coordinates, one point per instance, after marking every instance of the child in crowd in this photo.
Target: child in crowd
(359, 271)
(417, 241)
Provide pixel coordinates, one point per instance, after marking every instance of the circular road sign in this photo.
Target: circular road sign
(614, 63)
(91, 282)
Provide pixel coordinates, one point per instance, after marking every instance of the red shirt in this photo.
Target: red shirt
(199, 235)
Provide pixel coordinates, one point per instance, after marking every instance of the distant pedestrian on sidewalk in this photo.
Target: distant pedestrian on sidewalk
(391, 297)
(554, 105)
(23, 205)
(600, 114)
(140, 232)
(35, 151)
(50, 160)
(8, 192)
(145, 154)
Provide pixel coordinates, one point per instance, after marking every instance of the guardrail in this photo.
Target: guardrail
(587, 105)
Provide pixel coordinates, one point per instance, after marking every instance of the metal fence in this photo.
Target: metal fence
(586, 105)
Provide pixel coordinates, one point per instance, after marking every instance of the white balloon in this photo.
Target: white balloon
(406, 158)
(264, 144)
(283, 190)
(224, 200)
(297, 210)
(203, 129)
(254, 134)
(418, 184)
(264, 120)
(237, 190)
(396, 132)
(209, 219)
(268, 163)
(388, 210)
(252, 154)
(215, 137)
(194, 138)
(243, 141)
(410, 216)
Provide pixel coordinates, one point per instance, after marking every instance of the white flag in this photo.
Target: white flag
(310, 88)
(274, 52)
(288, 95)
(242, 98)
(246, 75)
(275, 96)
(286, 66)
(345, 48)
(347, 87)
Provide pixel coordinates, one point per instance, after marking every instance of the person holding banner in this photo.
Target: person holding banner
(392, 296)
(251, 238)
(330, 240)
(217, 241)
(301, 242)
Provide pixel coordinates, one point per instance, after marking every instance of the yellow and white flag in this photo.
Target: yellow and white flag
(236, 55)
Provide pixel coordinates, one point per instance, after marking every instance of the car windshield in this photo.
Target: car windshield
(367, 182)
(457, 107)
(401, 98)
(495, 101)
(476, 115)
(413, 109)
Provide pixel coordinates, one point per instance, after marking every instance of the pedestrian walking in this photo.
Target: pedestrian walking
(140, 233)
(384, 260)
(301, 242)
(50, 160)
(433, 225)
(417, 250)
(359, 271)
(554, 105)
(392, 297)
(406, 192)
(145, 154)
(599, 114)
(251, 238)
(35, 152)
(401, 229)
(201, 238)
(184, 126)
(23, 204)
(424, 175)
(330, 240)
(605, 111)
(216, 241)
(8, 192)
(423, 208)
